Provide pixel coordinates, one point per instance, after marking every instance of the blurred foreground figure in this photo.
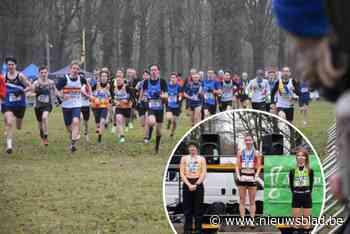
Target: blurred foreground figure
(323, 50)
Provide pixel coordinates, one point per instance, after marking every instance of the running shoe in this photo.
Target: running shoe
(113, 130)
(145, 140)
(73, 148)
(130, 125)
(45, 142)
(9, 150)
(122, 140)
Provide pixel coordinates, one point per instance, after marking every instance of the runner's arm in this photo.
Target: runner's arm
(274, 91)
(203, 172)
(311, 179)
(258, 161)
(291, 180)
(164, 88)
(297, 87)
(25, 82)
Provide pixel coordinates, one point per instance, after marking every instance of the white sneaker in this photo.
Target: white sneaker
(130, 125)
(145, 140)
(122, 140)
(114, 129)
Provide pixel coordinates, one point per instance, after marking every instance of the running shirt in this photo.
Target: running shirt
(15, 96)
(209, 86)
(154, 89)
(71, 88)
(228, 89)
(194, 90)
(174, 92)
(248, 162)
(301, 180)
(101, 97)
(304, 88)
(283, 92)
(122, 97)
(258, 90)
(44, 94)
(193, 166)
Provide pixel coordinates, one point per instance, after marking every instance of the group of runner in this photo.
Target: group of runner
(118, 100)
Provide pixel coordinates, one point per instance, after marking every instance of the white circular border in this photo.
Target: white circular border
(233, 111)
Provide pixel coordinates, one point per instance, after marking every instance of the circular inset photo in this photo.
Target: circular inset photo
(243, 171)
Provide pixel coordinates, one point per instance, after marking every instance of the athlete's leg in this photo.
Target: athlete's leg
(159, 135)
(192, 117)
(174, 121)
(9, 119)
(120, 120)
(242, 196)
(44, 126)
(307, 213)
(296, 212)
(197, 114)
(206, 113)
(75, 128)
(252, 195)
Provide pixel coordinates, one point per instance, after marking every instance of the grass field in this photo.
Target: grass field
(107, 188)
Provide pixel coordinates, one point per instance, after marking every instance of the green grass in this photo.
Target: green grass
(111, 188)
(321, 117)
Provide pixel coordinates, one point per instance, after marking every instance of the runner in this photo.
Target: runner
(227, 97)
(14, 103)
(85, 105)
(45, 96)
(243, 97)
(285, 91)
(193, 170)
(123, 104)
(70, 91)
(132, 81)
(272, 79)
(112, 109)
(301, 180)
(156, 90)
(259, 90)
(173, 109)
(193, 93)
(142, 104)
(304, 100)
(248, 167)
(211, 88)
(100, 102)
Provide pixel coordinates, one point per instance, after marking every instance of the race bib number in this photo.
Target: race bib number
(300, 181)
(14, 98)
(195, 98)
(193, 167)
(248, 165)
(247, 178)
(44, 98)
(155, 103)
(304, 90)
(227, 96)
(247, 170)
(172, 99)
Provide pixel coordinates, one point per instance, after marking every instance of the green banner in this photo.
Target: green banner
(277, 193)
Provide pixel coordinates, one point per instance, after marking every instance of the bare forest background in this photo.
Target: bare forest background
(240, 35)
